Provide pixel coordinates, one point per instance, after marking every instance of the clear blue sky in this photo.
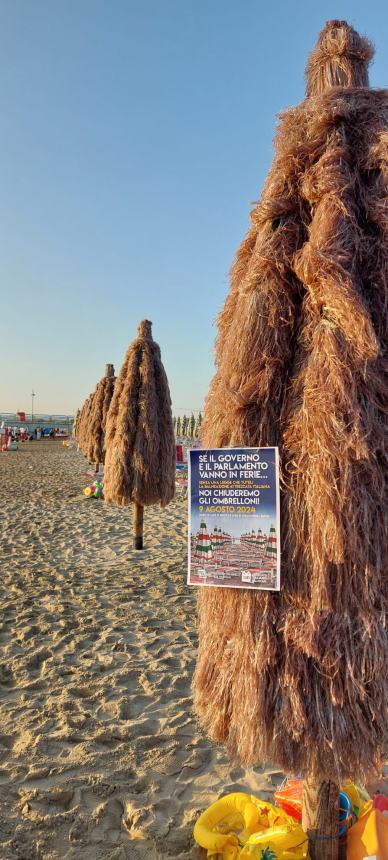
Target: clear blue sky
(134, 136)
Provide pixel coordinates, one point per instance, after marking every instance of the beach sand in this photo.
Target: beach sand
(100, 753)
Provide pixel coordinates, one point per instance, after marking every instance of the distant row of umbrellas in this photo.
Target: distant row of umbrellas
(188, 427)
(127, 424)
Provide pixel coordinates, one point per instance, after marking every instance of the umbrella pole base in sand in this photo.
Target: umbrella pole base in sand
(320, 818)
(138, 527)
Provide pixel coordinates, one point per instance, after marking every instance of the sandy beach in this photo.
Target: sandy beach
(100, 753)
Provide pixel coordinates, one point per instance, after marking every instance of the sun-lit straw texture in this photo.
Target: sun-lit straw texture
(97, 422)
(139, 441)
(299, 678)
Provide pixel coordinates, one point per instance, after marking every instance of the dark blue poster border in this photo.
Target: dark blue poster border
(234, 518)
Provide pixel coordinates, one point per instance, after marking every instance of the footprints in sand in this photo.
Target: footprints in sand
(100, 754)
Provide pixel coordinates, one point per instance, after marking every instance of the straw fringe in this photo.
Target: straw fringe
(340, 59)
(95, 448)
(140, 444)
(299, 678)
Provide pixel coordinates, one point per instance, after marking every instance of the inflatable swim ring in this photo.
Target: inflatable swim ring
(242, 827)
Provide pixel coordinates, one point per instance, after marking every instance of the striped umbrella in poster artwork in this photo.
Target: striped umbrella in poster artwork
(203, 547)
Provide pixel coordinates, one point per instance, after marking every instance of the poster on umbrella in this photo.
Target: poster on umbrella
(234, 518)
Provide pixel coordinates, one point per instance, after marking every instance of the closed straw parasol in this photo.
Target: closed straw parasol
(198, 425)
(75, 423)
(139, 439)
(299, 677)
(96, 430)
(191, 426)
(83, 424)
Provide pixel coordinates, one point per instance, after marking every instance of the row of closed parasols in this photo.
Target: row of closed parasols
(126, 424)
(297, 677)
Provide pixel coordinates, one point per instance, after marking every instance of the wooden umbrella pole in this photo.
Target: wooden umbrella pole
(96, 468)
(320, 818)
(138, 526)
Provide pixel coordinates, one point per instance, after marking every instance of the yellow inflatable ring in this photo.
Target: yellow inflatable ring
(240, 826)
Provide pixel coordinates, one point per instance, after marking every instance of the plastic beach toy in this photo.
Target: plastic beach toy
(380, 802)
(352, 802)
(98, 490)
(95, 490)
(369, 837)
(289, 797)
(242, 827)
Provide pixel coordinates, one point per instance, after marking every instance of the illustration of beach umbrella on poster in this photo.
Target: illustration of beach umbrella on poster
(259, 538)
(271, 548)
(213, 538)
(203, 547)
(217, 542)
(298, 677)
(139, 438)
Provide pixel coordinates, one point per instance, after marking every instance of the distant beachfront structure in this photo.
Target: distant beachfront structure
(63, 422)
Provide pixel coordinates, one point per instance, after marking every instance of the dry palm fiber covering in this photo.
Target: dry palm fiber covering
(75, 423)
(300, 677)
(97, 424)
(139, 442)
(84, 424)
(86, 414)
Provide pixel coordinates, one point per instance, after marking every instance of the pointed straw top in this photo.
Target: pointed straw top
(339, 59)
(109, 370)
(144, 330)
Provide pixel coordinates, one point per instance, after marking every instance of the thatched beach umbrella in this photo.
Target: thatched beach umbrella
(198, 425)
(191, 426)
(75, 423)
(139, 438)
(95, 432)
(83, 424)
(300, 677)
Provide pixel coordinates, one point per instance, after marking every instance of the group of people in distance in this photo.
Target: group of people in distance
(21, 434)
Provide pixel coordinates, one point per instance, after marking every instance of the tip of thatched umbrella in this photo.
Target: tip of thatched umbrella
(144, 330)
(109, 370)
(339, 59)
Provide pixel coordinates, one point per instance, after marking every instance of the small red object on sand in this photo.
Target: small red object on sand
(380, 802)
(289, 798)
